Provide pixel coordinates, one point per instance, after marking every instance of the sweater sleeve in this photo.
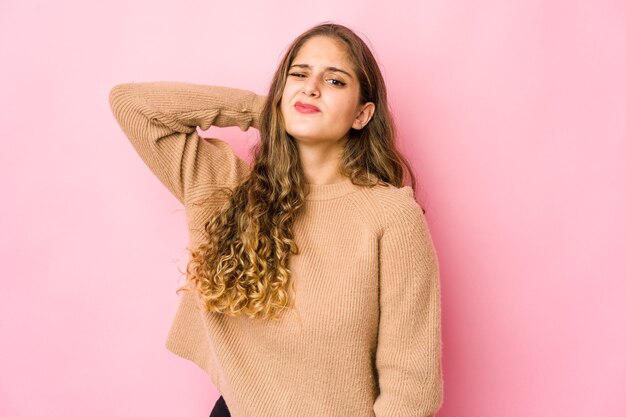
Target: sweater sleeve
(160, 120)
(408, 355)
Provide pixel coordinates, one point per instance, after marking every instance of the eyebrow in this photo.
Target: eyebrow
(333, 69)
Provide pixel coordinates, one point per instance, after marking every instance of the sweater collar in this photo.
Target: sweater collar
(330, 191)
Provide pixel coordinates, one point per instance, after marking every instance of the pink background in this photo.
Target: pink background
(512, 113)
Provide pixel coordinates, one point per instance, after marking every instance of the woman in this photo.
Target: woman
(313, 284)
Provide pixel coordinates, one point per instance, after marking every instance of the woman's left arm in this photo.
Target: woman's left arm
(408, 356)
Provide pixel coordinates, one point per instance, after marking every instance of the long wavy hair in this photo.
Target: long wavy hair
(242, 268)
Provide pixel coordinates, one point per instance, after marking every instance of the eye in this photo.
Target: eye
(337, 82)
(297, 75)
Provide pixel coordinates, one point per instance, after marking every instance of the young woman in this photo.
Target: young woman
(313, 284)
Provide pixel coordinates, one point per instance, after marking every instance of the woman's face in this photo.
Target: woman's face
(320, 101)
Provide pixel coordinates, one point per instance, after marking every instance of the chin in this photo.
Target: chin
(304, 135)
(304, 138)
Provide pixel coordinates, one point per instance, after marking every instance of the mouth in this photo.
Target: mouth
(306, 108)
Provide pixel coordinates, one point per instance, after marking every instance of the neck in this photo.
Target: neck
(320, 161)
(330, 191)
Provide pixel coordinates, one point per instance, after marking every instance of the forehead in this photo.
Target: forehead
(324, 51)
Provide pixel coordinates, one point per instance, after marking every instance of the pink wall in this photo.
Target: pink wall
(511, 112)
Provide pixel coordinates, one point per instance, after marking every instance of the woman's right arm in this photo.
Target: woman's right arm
(160, 120)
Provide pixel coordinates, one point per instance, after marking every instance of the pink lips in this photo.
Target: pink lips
(306, 108)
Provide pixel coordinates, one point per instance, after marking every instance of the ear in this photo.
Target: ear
(364, 116)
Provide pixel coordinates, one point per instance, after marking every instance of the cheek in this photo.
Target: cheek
(284, 99)
(288, 91)
(348, 111)
(344, 103)
(283, 106)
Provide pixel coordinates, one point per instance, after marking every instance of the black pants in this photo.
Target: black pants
(220, 409)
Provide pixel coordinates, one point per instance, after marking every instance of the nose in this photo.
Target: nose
(311, 86)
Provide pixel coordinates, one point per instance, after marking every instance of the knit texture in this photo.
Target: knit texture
(365, 339)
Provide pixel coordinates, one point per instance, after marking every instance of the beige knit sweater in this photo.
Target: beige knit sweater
(366, 339)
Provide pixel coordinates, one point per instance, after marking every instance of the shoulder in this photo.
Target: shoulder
(404, 228)
(396, 202)
(386, 205)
